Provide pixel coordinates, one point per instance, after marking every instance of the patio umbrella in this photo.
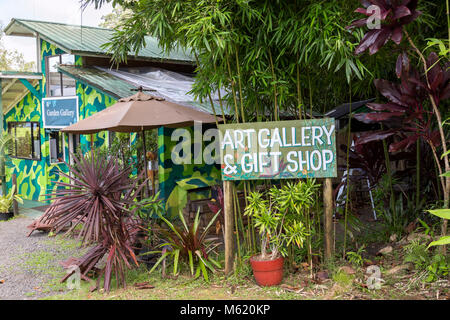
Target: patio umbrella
(138, 113)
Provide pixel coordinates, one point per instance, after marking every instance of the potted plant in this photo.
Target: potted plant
(6, 203)
(281, 215)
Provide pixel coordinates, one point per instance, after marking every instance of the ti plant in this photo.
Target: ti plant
(406, 100)
(189, 244)
(406, 114)
(394, 15)
(368, 157)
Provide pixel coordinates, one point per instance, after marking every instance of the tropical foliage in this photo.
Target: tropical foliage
(418, 97)
(269, 60)
(264, 58)
(189, 244)
(6, 201)
(12, 59)
(98, 196)
(282, 216)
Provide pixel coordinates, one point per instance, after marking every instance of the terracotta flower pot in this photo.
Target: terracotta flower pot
(6, 216)
(267, 272)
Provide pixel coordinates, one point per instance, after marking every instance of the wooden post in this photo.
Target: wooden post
(328, 217)
(92, 147)
(146, 191)
(15, 204)
(229, 225)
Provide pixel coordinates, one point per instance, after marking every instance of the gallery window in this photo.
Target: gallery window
(56, 147)
(58, 83)
(27, 140)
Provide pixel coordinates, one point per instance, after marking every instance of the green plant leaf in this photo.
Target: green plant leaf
(445, 174)
(441, 213)
(159, 261)
(191, 262)
(442, 241)
(176, 255)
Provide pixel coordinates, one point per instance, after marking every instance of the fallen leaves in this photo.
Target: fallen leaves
(143, 285)
(397, 269)
(347, 269)
(384, 251)
(291, 288)
(322, 275)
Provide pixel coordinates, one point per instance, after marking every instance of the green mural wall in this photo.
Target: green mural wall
(176, 179)
(37, 178)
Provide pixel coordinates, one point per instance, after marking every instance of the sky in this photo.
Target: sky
(65, 11)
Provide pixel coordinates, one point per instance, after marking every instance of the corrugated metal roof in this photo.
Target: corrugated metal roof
(344, 109)
(20, 75)
(100, 80)
(83, 40)
(116, 87)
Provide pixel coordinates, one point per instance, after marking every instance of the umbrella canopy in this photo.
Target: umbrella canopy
(137, 113)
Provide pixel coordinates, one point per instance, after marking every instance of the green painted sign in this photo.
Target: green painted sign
(278, 150)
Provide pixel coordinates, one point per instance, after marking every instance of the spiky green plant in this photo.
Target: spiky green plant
(187, 243)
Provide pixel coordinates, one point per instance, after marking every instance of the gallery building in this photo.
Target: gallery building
(75, 78)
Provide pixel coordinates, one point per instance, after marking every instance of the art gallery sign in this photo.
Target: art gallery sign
(278, 150)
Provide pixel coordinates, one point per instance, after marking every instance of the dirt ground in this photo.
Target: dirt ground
(29, 269)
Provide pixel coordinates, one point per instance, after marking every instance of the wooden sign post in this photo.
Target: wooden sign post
(297, 149)
(229, 225)
(328, 218)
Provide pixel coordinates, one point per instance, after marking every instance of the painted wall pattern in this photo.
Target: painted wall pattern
(36, 178)
(171, 175)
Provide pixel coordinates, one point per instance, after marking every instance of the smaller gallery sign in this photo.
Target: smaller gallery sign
(278, 150)
(59, 112)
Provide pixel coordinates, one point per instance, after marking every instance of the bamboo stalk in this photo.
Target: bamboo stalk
(238, 242)
(299, 92)
(417, 172)
(220, 99)
(347, 196)
(228, 232)
(233, 90)
(241, 97)
(310, 96)
(444, 181)
(209, 94)
(277, 114)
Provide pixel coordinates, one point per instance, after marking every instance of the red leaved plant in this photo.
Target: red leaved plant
(407, 115)
(99, 195)
(393, 15)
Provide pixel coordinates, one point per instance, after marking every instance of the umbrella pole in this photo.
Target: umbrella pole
(92, 147)
(145, 163)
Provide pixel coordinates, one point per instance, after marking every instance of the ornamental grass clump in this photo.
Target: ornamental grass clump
(99, 195)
